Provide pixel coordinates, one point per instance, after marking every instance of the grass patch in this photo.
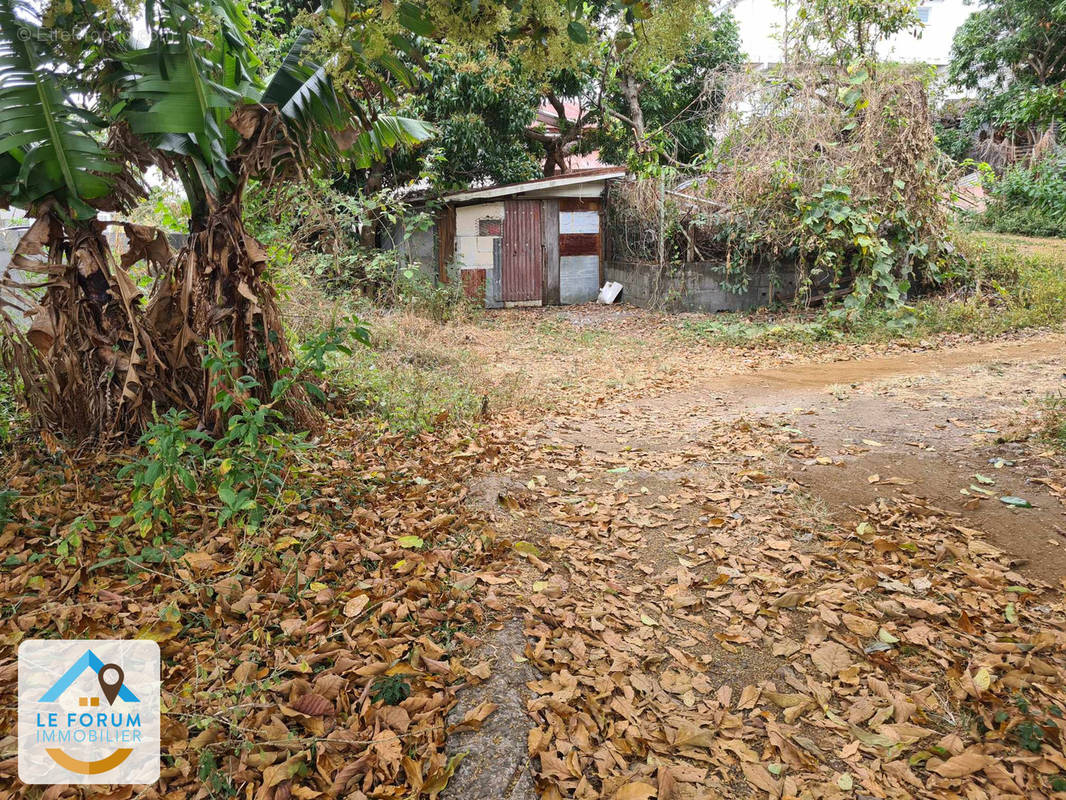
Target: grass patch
(409, 393)
(739, 330)
(1053, 421)
(415, 377)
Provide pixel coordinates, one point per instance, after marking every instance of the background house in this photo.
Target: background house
(549, 121)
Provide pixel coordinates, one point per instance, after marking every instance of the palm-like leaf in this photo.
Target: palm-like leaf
(304, 96)
(316, 113)
(386, 133)
(182, 88)
(41, 129)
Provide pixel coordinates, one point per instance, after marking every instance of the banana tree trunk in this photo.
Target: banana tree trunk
(217, 291)
(74, 332)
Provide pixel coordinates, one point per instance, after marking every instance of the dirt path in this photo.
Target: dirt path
(924, 424)
(771, 585)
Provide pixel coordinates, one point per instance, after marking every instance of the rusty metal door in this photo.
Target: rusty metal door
(523, 253)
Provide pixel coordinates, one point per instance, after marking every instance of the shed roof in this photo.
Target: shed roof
(539, 185)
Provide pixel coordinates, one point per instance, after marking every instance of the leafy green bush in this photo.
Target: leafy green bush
(173, 459)
(390, 689)
(861, 237)
(955, 143)
(246, 464)
(441, 302)
(248, 458)
(1031, 200)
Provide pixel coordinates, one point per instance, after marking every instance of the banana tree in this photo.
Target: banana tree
(70, 322)
(76, 140)
(196, 100)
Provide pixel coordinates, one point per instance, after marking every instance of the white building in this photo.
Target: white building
(761, 22)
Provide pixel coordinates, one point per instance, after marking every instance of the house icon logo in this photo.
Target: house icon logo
(88, 711)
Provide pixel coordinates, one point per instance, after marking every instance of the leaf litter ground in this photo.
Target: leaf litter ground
(273, 644)
(701, 627)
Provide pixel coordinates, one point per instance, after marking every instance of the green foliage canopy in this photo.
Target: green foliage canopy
(481, 107)
(678, 95)
(1013, 53)
(843, 31)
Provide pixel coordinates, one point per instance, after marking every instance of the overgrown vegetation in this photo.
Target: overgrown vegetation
(1030, 199)
(1010, 52)
(247, 464)
(833, 172)
(317, 237)
(195, 103)
(10, 413)
(997, 288)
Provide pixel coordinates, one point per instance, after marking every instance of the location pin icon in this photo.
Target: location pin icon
(111, 690)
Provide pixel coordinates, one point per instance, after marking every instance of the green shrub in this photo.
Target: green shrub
(955, 143)
(1031, 200)
(441, 302)
(390, 689)
(248, 459)
(169, 470)
(246, 464)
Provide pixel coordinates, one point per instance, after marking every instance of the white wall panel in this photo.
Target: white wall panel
(579, 222)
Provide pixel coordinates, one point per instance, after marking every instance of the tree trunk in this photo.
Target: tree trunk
(631, 93)
(88, 360)
(375, 179)
(95, 360)
(216, 291)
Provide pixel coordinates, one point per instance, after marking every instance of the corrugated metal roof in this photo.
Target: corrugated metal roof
(553, 182)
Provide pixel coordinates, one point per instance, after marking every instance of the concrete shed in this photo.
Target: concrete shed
(527, 244)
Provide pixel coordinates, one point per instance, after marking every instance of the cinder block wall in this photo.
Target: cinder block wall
(696, 286)
(420, 248)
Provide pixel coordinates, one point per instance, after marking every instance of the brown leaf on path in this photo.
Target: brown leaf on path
(314, 705)
(666, 783)
(355, 606)
(759, 777)
(963, 764)
(388, 747)
(832, 658)
(635, 791)
(693, 736)
(475, 717)
(200, 562)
